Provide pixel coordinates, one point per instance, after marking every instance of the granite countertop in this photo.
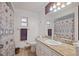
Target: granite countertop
(63, 49)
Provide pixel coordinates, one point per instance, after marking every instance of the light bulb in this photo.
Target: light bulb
(58, 8)
(55, 10)
(51, 8)
(68, 3)
(54, 6)
(58, 3)
(62, 5)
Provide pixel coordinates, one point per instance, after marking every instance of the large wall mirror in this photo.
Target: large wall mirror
(64, 26)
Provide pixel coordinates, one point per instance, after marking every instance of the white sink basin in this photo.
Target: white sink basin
(53, 42)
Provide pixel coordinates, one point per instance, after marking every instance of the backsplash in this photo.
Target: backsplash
(64, 26)
(7, 47)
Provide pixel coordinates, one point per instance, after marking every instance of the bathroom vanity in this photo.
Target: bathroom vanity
(47, 47)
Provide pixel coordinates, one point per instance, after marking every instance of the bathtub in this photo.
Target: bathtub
(52, 42)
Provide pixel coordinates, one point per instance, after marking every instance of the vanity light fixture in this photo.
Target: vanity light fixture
(55, 6)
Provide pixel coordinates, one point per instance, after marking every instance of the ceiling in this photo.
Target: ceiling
(30, 6)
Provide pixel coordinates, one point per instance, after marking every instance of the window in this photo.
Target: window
(24, 22)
